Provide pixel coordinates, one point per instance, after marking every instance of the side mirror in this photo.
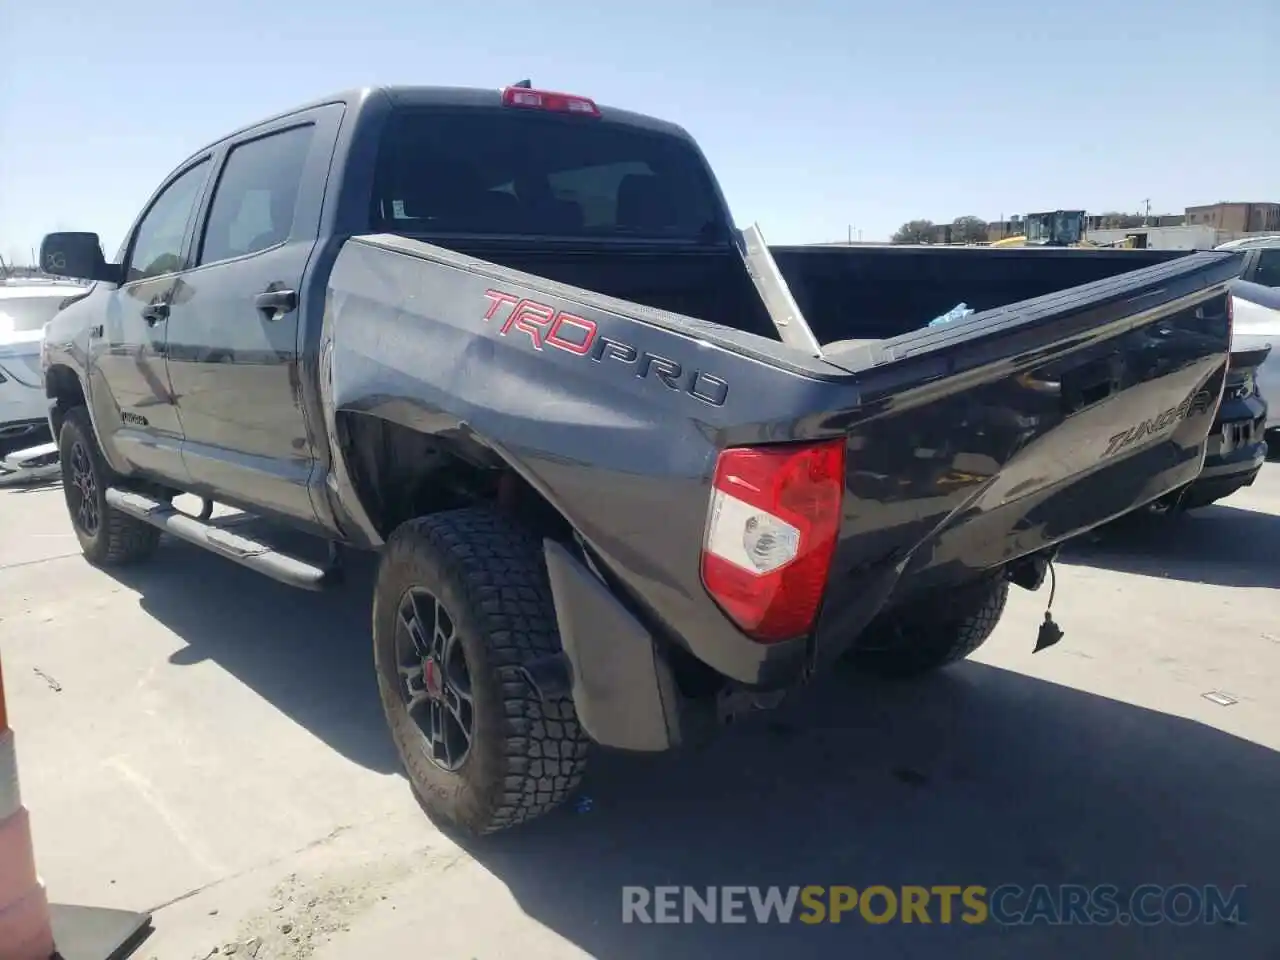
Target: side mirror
(76, 255)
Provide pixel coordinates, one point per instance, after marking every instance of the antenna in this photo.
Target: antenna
(526, 84)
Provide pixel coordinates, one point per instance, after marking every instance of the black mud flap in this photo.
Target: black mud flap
(623, 690)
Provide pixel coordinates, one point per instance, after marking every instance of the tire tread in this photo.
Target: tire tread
(921, 644)
(502, 577)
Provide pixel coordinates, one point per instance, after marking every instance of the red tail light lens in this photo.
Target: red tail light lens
(546, 100)
(771, 532)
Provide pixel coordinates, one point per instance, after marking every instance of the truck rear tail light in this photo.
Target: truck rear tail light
(546, 100)
(771, 532)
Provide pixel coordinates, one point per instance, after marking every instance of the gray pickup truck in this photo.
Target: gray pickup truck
(629, 470)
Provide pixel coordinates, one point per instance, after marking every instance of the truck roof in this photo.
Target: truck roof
(427, 96)
(1249, 243)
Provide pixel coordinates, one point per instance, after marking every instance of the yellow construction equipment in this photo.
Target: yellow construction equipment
(1057, 228)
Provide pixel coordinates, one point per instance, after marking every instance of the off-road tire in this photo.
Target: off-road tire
(118, 539)
(526, 756)
(928, 636)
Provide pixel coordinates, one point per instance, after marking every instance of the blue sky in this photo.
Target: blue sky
(817, 115)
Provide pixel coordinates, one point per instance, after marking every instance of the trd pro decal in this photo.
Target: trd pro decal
(545, 326)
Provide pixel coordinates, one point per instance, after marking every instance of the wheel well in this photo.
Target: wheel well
(62, 385)
(400, 473)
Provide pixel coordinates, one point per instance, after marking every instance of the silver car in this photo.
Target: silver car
(1256, 305)
(25, 307)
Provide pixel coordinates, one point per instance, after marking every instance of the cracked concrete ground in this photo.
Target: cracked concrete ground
(206, 743)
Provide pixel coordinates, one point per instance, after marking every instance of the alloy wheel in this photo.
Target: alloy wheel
(435, 682)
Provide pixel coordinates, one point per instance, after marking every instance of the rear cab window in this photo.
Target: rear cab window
(521, 173)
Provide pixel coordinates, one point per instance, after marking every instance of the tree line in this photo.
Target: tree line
(961, 230)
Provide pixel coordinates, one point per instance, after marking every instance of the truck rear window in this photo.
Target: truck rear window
(507, 172)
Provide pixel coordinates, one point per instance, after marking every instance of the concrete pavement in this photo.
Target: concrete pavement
(198, 740)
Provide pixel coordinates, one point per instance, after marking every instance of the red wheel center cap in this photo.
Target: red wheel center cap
(431, 678)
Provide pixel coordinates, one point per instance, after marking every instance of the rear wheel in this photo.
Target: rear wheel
(928, 636)
(461, 604)
(107, 536)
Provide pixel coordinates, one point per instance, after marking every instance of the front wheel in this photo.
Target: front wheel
(107, 536)
(461, 605)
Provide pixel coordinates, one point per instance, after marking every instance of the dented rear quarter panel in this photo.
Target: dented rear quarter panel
(620, 439)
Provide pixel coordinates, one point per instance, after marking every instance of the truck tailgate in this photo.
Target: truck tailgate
(994, 437)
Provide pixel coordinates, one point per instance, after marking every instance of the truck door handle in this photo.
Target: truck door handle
(155, 313)
(276, 303)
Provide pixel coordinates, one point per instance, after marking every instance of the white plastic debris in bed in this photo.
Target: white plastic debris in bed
(783, 309)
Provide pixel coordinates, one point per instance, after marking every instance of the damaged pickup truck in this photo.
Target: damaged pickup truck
(623, 485)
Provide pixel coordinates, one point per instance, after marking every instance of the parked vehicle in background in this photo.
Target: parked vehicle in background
(30, 465)
(1256, 303)
(1237, 445)
(624, 484)
(26, 305)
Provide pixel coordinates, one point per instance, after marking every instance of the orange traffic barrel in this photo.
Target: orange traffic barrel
(26, 927)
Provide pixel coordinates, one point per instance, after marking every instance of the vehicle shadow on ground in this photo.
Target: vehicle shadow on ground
(1223, 545)
(974, 776)
(308, 654)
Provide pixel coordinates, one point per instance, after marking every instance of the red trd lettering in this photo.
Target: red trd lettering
(544, 325)
(586, 327)
(531, 318)
(496, 299)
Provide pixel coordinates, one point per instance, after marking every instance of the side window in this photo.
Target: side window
(1267, 272)
(254, 202)
(157, 244)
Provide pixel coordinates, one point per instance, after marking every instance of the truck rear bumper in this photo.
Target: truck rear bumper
(624, 691)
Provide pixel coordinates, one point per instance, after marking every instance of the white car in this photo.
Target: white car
(1255, 302)
(25, 307)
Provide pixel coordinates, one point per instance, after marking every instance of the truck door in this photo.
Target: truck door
(132, 397)
(233, 344)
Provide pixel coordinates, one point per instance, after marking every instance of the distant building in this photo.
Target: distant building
(1176, 237)
(1224, 221)
(1237, 217)
(942, 233)
(1120, 221)
(999, 229)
